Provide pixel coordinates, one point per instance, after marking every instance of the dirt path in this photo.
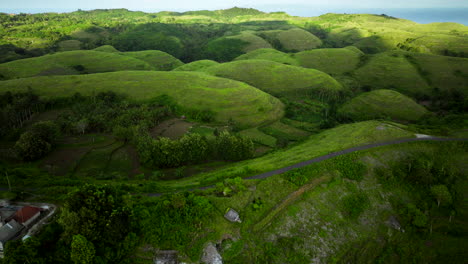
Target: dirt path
(289, 200)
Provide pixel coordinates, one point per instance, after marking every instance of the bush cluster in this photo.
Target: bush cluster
(192, 149)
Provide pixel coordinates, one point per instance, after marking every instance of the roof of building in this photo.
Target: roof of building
(26, 213)
(9, 231)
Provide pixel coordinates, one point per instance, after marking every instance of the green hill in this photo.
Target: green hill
(106, 48)
(391, 70)
(71, 62)
(269, 54)
(196, 65)
(381, 104)
(279, 79)
(298, 40)
(444, 74)
(294, 39)
(331, 61)
(252, 41)
(246, 105)
(159, 60)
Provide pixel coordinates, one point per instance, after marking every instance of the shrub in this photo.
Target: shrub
(354, 204)
(47, 131)
(31, 147)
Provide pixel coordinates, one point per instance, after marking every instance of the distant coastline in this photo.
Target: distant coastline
(419, 15)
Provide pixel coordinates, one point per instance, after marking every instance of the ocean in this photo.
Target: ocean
(419, 15)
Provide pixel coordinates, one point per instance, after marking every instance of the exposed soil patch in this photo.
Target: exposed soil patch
(172, 128)
(61, 161)
(135, 160)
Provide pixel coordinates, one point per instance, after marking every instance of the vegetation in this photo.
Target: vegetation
(226, 98)
(383, 104)
(69, 63)
(281, 80)
(144, 129)
(269, 54)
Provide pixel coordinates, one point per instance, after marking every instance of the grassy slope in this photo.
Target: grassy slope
(63, 62)
(254, 42)
(159, 60)
(196, 65)
(331, 61)
(227, 98)
(298, 40)
(382, 103)
(106, 48)
(391, 70)
(445, 73)
(276, 78)
(341, 137)
(376, 33)
(269, 54)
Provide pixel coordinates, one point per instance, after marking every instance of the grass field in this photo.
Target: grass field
(279, 79)
(228, 99)
(196, 65)
(331, 61)
(259, 137)
(159, 60)
(71, 62)
(270, 55)
(381, 104)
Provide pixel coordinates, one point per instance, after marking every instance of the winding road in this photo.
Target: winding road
(332, 155)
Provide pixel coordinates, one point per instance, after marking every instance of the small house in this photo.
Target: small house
(27, 215)
(7, 232)
(232, 216)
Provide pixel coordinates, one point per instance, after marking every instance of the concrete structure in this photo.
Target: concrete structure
(232, 216)
(7, 232)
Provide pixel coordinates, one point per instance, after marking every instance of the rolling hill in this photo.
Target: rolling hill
(228, 99)
(71, 62)
(331, 61)
(279, 79)
(381, 104)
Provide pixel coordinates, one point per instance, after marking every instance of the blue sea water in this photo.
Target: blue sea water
(420, 15)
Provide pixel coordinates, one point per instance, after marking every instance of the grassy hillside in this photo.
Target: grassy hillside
(71, 62)
(269, 54)
(159, 60)
(279, 79)
(298, 40)
(246, 105)
(106, 48)
(391, 70)
(383, 103)
(196, 65)
(331, 61)
(447, 74)
(253, 41)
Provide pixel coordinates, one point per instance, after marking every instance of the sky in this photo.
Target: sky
(181, 5)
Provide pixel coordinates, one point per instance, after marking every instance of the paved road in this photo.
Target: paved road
(346, 151)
